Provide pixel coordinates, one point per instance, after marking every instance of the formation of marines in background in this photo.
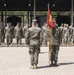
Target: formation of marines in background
(18, 32)
(67, 35)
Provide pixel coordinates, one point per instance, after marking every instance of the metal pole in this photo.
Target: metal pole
(2, 16)
(2, 11)
(29, 19)
(23, 20)
(72, 12)
(34, 9)
(5, 6)
(28, 16)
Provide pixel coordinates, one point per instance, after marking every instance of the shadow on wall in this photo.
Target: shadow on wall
(13, 20)
(63, 19)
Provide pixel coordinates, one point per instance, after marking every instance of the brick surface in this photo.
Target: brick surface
(16, 61)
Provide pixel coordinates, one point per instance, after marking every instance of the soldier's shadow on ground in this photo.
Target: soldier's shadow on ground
(60, 64)
(69, 63)
(48, 66)
(40, 67)
(43, 52)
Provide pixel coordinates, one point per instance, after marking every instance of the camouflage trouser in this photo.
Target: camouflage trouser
(69, 39)
(8, 40)
(54, 49)
(65, 40)
(72, 40)
(34, 54)
(1, 39)
(18, 40)
(61, 39)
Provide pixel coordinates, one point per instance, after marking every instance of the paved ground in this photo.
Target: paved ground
(15, 61)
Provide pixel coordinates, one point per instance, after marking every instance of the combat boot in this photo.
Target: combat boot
(51, 63)
(35, 67)
(55, 63)
(32, 67)
(10, 45)
(17, 45)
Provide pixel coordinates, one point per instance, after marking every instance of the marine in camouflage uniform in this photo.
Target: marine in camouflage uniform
(12, 28)
(33, 39)
(24, 30)
(61, 30)
(72, 40)
(66, 34)
(44, 32)
(70, 35)
(54, 44)
(8, 34)
(18, 34)
(1, 33)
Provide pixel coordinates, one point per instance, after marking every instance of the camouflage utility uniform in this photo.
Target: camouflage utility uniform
(33, 39)
(1, 34)
(54, 44)
(18, 35)
(8, 34)
(44, 32)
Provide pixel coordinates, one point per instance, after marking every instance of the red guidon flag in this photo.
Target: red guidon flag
(49, 19)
